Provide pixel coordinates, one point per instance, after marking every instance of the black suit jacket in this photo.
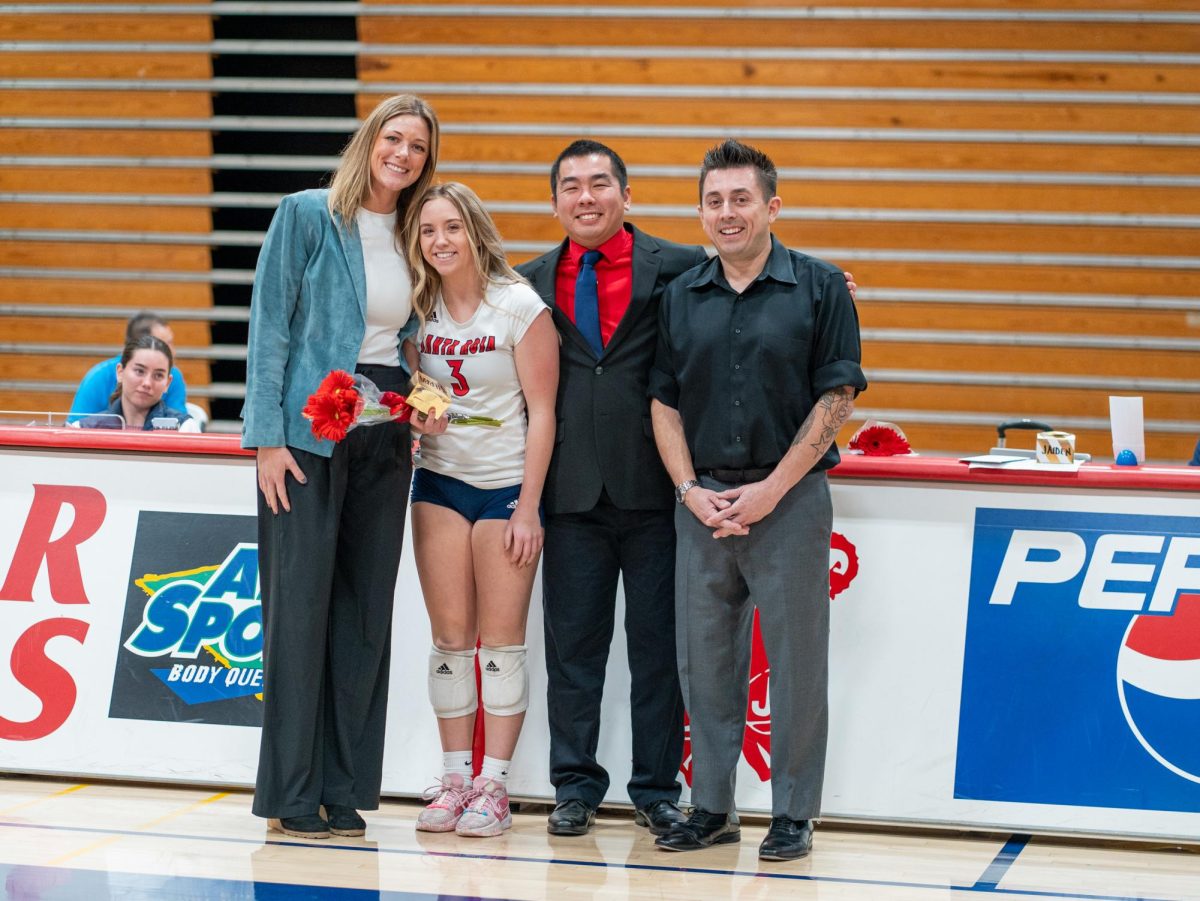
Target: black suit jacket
(604, 438)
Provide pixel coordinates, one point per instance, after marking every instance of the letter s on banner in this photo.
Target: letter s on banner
(51, 683)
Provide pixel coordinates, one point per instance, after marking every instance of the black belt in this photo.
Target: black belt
(738, 476)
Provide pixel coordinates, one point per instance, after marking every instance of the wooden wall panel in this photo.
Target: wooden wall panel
(150, 142)
(105, 65)
(649, 70)
(103, 217)
(141, 293)
(107, 104)
(41, 172)
(650, 149)
(916, 236)
(728, 32)
(724, 116)
(1022, 401)
(108, 180)
(870, 193)
(47, 330)
(105, 27)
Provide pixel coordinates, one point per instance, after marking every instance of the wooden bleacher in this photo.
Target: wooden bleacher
(67, 282)
(1016, 190)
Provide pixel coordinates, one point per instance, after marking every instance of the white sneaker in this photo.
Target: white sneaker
(487, 812)
(448, 799)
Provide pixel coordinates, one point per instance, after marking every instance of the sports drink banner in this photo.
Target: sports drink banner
(192, 630)
(1003, 657)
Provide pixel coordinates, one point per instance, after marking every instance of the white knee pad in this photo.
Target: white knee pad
(452, 682)
(505, 680)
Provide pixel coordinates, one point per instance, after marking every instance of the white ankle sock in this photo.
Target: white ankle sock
(458, 762)
(496, 770)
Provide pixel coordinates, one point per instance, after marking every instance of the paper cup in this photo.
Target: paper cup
(1056, 448)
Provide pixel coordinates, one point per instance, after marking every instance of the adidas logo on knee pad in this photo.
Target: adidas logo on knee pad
(505, 681)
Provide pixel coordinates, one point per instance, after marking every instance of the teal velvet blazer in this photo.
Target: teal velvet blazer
(307, 318)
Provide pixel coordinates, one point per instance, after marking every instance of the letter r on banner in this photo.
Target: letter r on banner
(61, 554)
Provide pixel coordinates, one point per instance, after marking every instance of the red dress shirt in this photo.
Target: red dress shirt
(614, 280)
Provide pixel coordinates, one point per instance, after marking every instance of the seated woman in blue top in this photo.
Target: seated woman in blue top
(95, 390)
(143, 376)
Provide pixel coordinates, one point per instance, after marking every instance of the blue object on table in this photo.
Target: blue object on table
(1127, 458)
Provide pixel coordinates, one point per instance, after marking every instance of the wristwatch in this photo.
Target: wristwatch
(683, 488)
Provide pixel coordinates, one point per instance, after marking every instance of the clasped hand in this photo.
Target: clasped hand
(733, 511)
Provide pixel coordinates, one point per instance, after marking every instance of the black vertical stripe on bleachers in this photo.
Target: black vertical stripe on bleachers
(274, 143)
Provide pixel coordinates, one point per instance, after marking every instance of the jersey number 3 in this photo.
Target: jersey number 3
(460, 384)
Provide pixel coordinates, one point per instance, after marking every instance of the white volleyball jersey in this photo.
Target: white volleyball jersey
(474, 361)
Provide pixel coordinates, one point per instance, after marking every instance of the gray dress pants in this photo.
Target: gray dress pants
(781, 567)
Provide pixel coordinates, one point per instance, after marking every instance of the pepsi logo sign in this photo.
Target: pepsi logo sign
(1081, 669)
(1158, 681)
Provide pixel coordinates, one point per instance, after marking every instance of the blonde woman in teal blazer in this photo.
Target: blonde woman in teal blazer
(332, 291)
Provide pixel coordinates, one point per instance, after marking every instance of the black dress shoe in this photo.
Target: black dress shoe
(701, 830)
(345, 820)
(308, 826)
(660, 816)
(572, 817)
(787, 839)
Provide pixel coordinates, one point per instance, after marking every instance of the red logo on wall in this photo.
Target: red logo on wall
(756, 744)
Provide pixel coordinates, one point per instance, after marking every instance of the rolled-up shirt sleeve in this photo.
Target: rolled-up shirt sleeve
(663, 384)
(836, 349)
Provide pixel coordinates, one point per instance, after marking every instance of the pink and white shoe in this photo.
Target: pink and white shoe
(447, 801)
(487, 812)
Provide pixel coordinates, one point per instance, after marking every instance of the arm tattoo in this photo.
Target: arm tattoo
(830, 414)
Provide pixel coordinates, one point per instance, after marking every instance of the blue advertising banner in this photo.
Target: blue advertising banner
(1081, 674)
(191, 635)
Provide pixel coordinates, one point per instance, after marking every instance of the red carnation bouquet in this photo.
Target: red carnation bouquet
(880, 439)
(344, 401)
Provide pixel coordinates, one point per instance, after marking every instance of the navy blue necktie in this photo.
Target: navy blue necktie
(587, 302)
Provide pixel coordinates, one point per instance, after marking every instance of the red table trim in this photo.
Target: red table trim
(949, 469)
(123, 441)
(907, 469)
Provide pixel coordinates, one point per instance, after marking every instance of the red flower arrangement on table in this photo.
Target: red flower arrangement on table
(344, 401)
(880, 439)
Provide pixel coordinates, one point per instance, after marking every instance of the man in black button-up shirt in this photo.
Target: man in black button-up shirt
(757, 369)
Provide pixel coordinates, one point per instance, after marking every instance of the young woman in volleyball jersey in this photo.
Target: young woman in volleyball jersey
(477, 531)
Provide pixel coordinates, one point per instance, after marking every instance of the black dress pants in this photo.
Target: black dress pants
(328, 575)
(583, 557)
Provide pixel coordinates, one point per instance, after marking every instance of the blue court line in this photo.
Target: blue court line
(978, 887)
(68, 884)
(1006, 858)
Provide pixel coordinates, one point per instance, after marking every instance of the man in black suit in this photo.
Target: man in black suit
(609, 503)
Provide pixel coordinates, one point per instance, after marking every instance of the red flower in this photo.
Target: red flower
(880, 440)
(344, 401)
(397, 404)
(330, 417)
(338, 379)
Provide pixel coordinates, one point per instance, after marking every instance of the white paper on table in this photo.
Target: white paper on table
(1128, 428)
(994, 459)
(1030, 466)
